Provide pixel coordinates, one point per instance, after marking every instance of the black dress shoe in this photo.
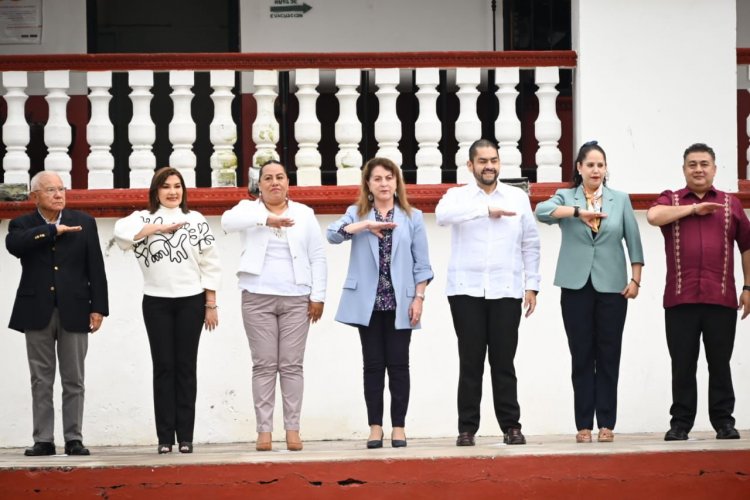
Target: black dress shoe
(75, 447)
(514, 436)
(676, 434)
(727, 431)
(465, 439)
(40, 450)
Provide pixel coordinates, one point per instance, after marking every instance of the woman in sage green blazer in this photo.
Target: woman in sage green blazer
(592, 274)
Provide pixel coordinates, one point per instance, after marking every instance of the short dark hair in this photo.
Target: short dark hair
(699, 147)
(481, 143)
(585, 150)
(159, 178)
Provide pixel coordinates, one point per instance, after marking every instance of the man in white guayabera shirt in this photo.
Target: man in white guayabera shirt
(493, 269)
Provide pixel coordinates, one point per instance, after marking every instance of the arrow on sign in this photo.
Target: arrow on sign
(291, 8)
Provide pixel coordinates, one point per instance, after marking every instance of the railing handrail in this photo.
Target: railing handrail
(287, 61)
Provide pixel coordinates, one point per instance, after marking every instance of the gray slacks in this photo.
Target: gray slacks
(276, 328)
(71, 351)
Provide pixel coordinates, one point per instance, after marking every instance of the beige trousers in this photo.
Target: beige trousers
(276, 328)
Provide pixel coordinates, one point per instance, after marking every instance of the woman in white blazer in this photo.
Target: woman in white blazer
(283, 280)
(389, 269)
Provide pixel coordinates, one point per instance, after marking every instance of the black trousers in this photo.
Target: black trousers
(484, 326)
(385, 348)
(684, 325)
(594, 322)
(174, 328)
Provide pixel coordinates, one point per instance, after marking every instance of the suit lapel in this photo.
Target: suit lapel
(608, 199)
(399, 217)
(580, 202)
(373, 240)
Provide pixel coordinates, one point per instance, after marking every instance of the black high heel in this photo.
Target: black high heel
(375, 443)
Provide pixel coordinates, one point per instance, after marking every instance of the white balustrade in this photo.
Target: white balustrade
(427, 129)
(141, 130)
(100, 132)
(307, 129)
(388, 126)
(16, 161)
(468, 126)
(547, 126)
(182, 126)
(223, 130)
(508, 126)
(265, 126)
(348, 129)
(57, 133)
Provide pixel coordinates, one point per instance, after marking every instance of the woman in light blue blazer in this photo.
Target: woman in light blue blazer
(389, 269)
(592, 274)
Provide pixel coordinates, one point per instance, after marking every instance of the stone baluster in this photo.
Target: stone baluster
(223, 130)
(427, 129)
(508, 126)
(182, 126)
(57, 134)
(468, 126)
(307, 129)
(141, 130)
(348, 129)
(16, 161)
(547, 126)
(100, 132)
(388, 126)
(265, 126)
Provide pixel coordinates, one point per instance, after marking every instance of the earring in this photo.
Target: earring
(395, 196)
(370, 197)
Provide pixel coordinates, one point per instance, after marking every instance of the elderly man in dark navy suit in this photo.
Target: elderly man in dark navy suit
(61, 297)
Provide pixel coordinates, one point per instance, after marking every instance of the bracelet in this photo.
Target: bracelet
(746, 288)
(421, 295)
(211, 306)
(636, 283)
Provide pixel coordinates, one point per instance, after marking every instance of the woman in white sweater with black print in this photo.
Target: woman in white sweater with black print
(283, 280)
(177, 254)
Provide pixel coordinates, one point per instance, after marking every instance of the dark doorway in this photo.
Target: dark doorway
(171, 26)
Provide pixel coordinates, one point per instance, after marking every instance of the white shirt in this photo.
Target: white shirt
(180, 264)
(490, 258)
(277, 274)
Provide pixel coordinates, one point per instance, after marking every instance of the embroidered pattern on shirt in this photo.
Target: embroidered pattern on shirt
(676, 239)
(727, 249)
(172, 246)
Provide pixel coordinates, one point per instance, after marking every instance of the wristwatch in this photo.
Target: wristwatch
(576, 211)
(746, 288)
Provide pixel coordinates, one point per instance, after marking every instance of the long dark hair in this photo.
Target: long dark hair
(159, 178)
(585, 150)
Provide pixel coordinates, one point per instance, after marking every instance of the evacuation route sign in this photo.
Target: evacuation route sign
(288, 8)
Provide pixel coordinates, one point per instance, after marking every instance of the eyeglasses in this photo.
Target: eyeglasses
(50, 191)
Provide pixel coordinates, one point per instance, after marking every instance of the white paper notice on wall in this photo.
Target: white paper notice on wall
(20, 21)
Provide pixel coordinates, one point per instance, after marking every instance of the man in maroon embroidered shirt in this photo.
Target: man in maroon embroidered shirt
(700, 225)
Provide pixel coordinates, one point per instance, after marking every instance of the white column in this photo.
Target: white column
(427, 129)
(16, 162)
(547, 126)
(57, 134)
(265, 126)
(387, 126)
(468, 126)
(348, 129)
(223, 130)
(182, 126)
(141, 130)
(508, 126)
(99, 131)
(307, 129)
(747, 131)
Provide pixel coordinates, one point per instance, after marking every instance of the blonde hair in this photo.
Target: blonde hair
(363, 203)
